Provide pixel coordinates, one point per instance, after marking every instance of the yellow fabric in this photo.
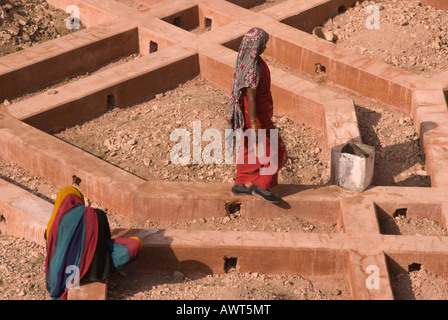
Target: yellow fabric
(139, 241)
(61, 196)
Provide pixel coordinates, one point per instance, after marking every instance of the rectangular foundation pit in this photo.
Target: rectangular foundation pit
(91, 96)
(214, 252)
(422, 219)
(247, 4)
(313, 13)
(418, 276)
(36, 67)
(199, 19)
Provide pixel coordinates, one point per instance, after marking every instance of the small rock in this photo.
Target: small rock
(6, 103)
(123, 274)
(422, 270)
(22, 20)
(52, 91)
(422, 173)
(26, 37)
(178, 275)
(298, 292)
(107, 143)
(7, 6)
(13, 30)
(4, 15)
(226, 219)
(336, 292)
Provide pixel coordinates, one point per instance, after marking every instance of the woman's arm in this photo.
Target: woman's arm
(252, 108)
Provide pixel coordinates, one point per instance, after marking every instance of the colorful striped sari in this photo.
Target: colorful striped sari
(79, 246)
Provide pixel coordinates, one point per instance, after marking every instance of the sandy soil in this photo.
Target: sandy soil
(411, 35)
(229, 286)
(137, 138)
(412, 226)
(24, 23)
(419, 285)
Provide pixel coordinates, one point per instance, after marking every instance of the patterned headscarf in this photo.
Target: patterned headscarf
(246, 74)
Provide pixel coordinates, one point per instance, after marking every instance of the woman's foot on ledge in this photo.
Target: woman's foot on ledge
(241, 189)
(265, 194)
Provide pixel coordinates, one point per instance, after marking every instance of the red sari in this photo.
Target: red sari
(250, 173)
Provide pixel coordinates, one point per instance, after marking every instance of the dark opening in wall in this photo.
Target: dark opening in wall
(153, 46)
(230, 264)
(176, 21)
(76, 180)
(342, 9)
(320, 68)
(208, 23)
(233, 207)
(187, 19)
(414, 267)
(110, 103)
(400, 212)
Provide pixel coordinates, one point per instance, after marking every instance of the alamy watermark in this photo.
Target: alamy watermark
(212, 153)
(373, 21)
(72, 281)
(74, 20)
(373, 280)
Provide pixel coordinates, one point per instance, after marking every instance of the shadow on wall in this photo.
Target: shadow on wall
(156, 264)
(400, 279)
(40, 195)
(393, 160)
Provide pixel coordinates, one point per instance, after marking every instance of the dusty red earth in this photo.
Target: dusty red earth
(410, 35)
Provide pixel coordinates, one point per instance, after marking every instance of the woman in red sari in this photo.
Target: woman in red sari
(251, 110)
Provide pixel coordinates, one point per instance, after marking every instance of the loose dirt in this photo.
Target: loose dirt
(413, 227)
(139, 138)
(410, 35)
(228, 286)
(419, 285)
(24, 23)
